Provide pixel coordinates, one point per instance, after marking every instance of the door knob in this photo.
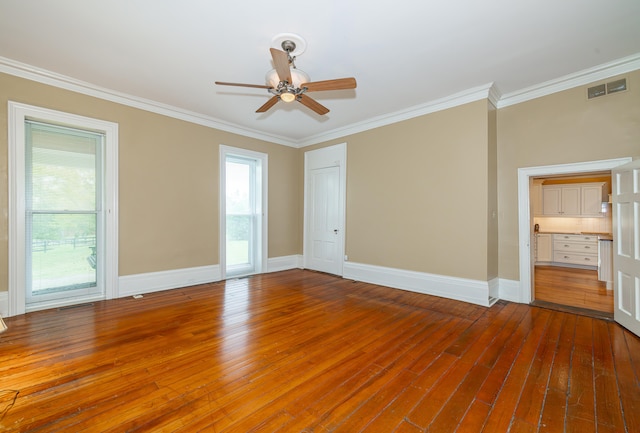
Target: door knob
(335, 231)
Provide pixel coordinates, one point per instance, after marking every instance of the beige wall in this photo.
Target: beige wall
(559, 129)
(417, 193)
(168, 182)
(421, 193)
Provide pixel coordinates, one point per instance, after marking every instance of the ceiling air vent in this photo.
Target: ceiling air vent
(606, 89)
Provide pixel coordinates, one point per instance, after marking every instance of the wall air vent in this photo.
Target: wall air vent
(617, 86)
(606, 89)
(595, 91)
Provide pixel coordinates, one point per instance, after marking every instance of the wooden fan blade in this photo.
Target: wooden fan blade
(313, 104)
(281, 63)
(270, 103)
(257, 86)
(337, 84)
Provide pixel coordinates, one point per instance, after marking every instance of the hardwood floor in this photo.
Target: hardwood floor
(299, 351)
(572, 287)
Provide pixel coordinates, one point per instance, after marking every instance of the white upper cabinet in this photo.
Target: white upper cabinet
(574, 200)
(561, 200)
(592, 197)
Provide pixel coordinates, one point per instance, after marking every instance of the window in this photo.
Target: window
(242, 211)
(62, 209)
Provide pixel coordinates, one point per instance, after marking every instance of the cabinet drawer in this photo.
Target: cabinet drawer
(576, 247)
(575, 258)
(576, 238)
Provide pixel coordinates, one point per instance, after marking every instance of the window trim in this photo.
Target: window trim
(18, 112)
(262, 239)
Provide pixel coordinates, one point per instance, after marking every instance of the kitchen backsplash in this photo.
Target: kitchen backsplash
(575, 225)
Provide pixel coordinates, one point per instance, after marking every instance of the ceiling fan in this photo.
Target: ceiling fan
(288, 83)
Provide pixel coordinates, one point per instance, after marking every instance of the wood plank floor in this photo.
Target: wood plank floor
(300, 351)
(573, 287)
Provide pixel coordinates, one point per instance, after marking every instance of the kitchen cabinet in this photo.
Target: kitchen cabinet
(544, 248)
(593, 195)
(576, 250)
(574, 200)
(561, 200)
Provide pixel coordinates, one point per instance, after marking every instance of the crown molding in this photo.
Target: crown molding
(586, 76)
(494, 95)
(43, 76)
(461, 98)
(487, 91)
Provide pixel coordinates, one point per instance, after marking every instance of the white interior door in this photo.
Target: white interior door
(324, 210)
(626, 245)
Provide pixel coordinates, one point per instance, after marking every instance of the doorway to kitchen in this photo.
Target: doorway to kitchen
(571, 219)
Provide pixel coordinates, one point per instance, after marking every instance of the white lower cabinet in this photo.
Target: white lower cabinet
(576, 249)
(544, 248)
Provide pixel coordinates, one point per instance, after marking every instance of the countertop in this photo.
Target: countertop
(601, 236)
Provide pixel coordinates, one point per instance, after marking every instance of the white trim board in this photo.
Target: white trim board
(4, 304)
(509, 290)
(54, 79)
(580, 78)
(284, 263)
(487, 91)
(459, 289)
(139, 284)
(174, 279)
(166, 280)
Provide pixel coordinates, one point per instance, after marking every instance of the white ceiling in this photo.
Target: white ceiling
(405, 54)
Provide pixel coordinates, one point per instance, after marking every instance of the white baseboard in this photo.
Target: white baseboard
(494, 290)
(473, 291)
(284, 263)
(4, 304)
(138, 284)
(461, 289)
(509, 290)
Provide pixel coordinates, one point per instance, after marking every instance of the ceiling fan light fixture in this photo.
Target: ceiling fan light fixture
(287, 97)
(285, 82)
(297, 76)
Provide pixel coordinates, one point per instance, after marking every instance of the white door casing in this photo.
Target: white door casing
(525, 229)
(626, 245)
(325, 186)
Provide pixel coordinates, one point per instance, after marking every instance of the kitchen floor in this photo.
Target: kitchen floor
(571, 287)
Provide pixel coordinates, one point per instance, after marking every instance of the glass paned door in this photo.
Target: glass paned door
(63, 219)
(241, 215)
